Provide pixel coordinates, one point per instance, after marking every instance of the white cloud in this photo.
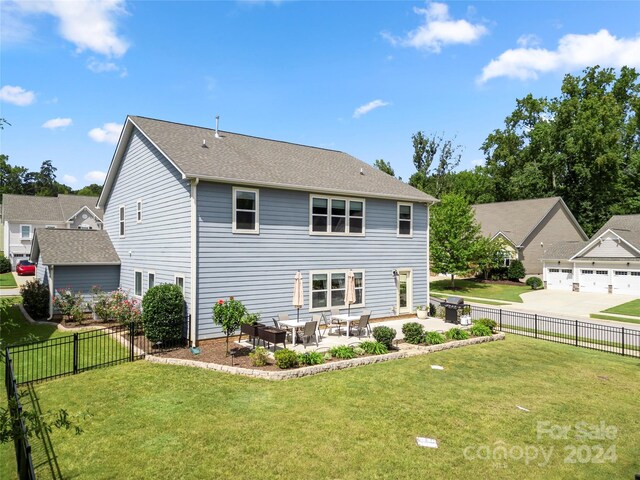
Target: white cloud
(574, 52)
(69, 179)
(88, 24)
(109, 133)
(438, 29)
(57, 123)
(17, 95)
(529, 40)
(364, 109)
(96, 66)
(95, 176)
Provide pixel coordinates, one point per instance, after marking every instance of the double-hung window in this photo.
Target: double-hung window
(245, 210)
(137, 283)
(25, 232)
(405, 219)
(151, 280)
(336, 216)
(121, 221)
(139, 211)
(179, 280)
(328, 289)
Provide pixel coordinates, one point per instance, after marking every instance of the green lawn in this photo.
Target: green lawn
(158, 421)
(7, 280)
(484, 302)
(630, 308)
(471, 288)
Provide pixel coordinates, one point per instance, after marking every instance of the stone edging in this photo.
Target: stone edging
(56, 324)
(326, 367)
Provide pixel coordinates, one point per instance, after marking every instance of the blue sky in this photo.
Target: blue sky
(359, 77)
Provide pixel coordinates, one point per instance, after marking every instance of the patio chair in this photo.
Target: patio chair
(310, 330)
(333, 321)
(362, 325)
(322, 320)
(276, 324)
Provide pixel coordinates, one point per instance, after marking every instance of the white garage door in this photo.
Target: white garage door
(592, 280)
(560, 279)
(626, 281)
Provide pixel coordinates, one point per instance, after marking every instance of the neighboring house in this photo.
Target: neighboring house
(77, 259)
(528, 227)
(608, 262)
(224, 214)
(23, 214)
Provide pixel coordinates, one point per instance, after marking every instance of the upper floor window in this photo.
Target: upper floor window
(122, 221)
(139, 211)
(405, 219)
(245, 210)
(338, 216)
(25, 232)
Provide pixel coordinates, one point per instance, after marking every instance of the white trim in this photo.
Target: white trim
(428, 257)
(599, 239)
(193, 310)
(347, 222)
(409, 306)
(150, 272)
(30, 237)
(70, 219)
(175, 278)
(139, 211)
(329, 272)
(122, 221)
(404, 235)
(136, 271)
(571, 218)
(51, 292)
(256, 192)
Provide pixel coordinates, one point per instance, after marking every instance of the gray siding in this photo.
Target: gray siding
(82, 278)
(90, 221)
(42, 271)
(161, 242)
(259, 269)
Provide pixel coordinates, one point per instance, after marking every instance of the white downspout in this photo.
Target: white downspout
(194, 263)
(428, 260)
(51, 293)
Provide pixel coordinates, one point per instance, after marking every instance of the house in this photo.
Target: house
(528, 227)
(609, 262)
(23, 214)
(77, 259)
(223, 214)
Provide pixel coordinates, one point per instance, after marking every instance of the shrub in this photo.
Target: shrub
(413, 332)
(498, 273)
(5, 264)
(230, 314)
(310, 358)
(359, 351)
(374, 348)
(433, 338)
(259, 357)
(101, 305)
(516, 270)
(487, 322)
(124, 310)
(69, 304)
(534, 282)
(432, 310)
(480, 330)
(35, 298)
(163, 313)
(327, 356)
(286, 358)
(456, 334)
(384, 335)
(343, 352)
(440, 311)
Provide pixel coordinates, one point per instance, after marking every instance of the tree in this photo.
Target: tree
(425, 151)
(453, 236)
(488, 254)
(93, 190)
(385, 167)
(230, 315)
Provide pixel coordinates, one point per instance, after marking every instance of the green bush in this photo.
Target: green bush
(498, 273)
(413, 332)
(516, 270)
(384, 335)
(259, 357)
(440, 311)
(534, 282)
(374, 348)
(310, 358)
(432, 310)
(35, 299)
(479, 330)
(433, 338)
(456, 334)
(163, 313)
(286, 358)
(70, 304)
(343, 352)
(5, 264)
(487, 322)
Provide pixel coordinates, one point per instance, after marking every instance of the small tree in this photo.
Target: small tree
(163, 313)
(516, 270)
(454, 233)
(35, 298)
(488, 254)
(230, 315)
(5, 264)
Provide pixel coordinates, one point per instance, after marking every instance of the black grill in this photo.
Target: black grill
(452, 305)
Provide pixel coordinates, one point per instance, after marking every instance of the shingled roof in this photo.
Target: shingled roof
(247, 160)
(28, 208)
(73, 247)
(626, 226)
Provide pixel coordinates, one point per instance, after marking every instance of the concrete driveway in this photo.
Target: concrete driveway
(568, 304)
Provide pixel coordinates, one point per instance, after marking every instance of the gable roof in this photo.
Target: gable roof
(625, 226)
(247, 160)
(517, 219)
(29, 208)
(73, 247)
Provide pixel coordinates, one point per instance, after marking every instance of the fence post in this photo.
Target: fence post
(623, 341)
(535, 325)
(75, 353)
(500, 318)
(132, 332)
(576, 333)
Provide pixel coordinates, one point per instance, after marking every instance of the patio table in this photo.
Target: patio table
(293, 325)
(347, 319)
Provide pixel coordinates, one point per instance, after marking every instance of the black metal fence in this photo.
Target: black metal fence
(22, 446)
(607, 338)
(88, 350)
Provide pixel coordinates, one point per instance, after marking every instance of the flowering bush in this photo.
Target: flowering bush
(70, 304)
(35, 298)
(123, 309)
(100, 303)
(230, 315)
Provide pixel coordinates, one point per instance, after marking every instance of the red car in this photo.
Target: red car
(25, 267)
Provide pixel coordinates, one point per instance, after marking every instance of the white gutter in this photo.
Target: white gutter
(194, 263)
(51, 293)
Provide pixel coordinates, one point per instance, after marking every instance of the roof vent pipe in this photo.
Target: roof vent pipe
(217, 122)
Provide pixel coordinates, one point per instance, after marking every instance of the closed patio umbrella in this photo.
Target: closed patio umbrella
(350, 293)
(298, 293)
